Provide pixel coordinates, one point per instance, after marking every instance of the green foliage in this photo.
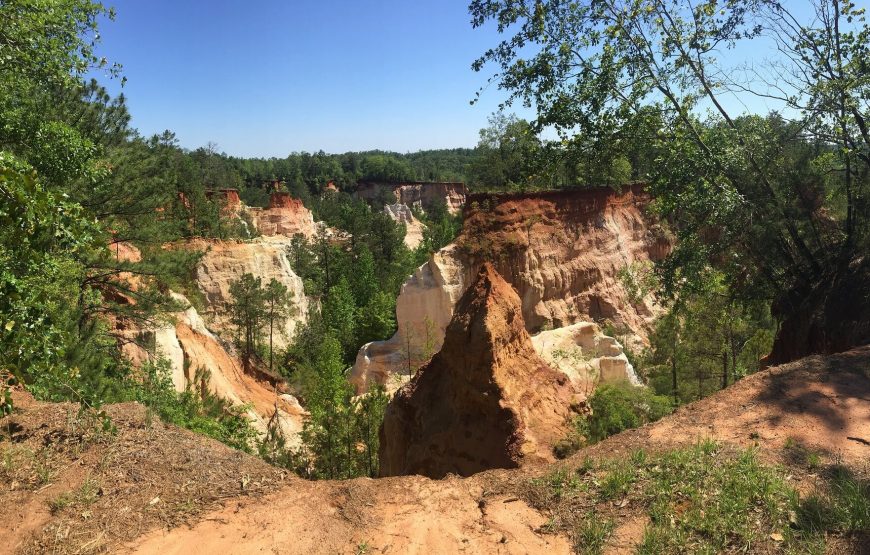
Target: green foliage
(306, 174)
(42, 305)
(622, 406)
(776, 203)
(196, 408)
(509, 151)
(358, 280)
(341, 435)
(376, 320)
(75, 178)
(574, 440)
(386, 168)
(707, 340)
(247, 311)
(620, 477)
(441, 229)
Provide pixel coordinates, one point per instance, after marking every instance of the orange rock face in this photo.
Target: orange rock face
(284, 200)
(562, 251)
(486, 400)
(285, 216)
(228, 198)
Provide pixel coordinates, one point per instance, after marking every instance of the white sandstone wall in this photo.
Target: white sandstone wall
(264, 257)
(401, 213)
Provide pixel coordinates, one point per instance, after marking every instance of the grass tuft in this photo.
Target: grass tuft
(590, 533)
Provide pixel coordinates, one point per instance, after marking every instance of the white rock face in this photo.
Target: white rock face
(401, 213)
(198, 359)
(587, 356)
(423, 310)
(265, 258)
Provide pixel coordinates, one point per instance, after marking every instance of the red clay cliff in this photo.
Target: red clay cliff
(486, 400)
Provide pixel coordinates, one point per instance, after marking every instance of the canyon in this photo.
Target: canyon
(197, 342)
(563, 252)
(503, 334)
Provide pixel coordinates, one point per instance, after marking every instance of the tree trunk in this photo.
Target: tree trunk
(271, 322)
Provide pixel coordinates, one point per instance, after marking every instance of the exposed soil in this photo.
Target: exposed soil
(211, 498)
(66, 486)
(485, 400)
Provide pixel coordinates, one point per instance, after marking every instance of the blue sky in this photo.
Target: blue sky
(268, 77)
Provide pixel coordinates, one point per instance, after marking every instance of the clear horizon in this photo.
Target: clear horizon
(264, 79)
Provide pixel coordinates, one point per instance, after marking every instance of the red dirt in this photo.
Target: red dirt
(822, 402)
(485, 400)
(280, 199)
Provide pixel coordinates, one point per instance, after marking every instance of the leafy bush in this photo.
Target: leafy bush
(197, 410)
(622, 406)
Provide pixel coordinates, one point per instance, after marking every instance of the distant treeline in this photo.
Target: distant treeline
(510, 156)
(306, 173)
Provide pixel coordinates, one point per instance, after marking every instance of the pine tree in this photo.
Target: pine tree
(247, 310)
(278, 308)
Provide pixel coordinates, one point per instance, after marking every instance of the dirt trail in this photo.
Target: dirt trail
(399, 515)
(821, 402)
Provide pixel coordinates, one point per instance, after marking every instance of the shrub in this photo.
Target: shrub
(622, 406)
(196, 409)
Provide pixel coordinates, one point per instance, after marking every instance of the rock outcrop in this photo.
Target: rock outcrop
(285, 216)
(265, 258)
(586, 355)
(486, 400)
(424, 194)
(401, 213)
(562, 251)
(198, 359)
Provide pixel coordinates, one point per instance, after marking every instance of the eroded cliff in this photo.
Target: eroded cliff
(265, 258)
(486, 400)
(401, 213)
(285, 216)
(563, 253)
(423, 194)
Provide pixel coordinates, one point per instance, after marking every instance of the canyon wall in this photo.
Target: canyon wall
(486, 400)
(562, 251)
(424, 194)
(401, 213)
(199, 351)
(265, 258)
(285, 216)
(199, 359)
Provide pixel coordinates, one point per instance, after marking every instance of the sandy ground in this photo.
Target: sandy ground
(821, 402)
